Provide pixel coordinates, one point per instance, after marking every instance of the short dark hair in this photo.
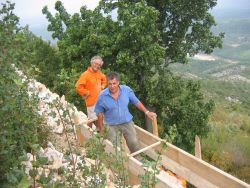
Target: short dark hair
(113, 75)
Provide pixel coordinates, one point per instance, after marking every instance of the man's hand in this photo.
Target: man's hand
(150, 115)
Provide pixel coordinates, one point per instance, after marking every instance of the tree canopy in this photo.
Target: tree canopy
(21, 125)
(139, 39)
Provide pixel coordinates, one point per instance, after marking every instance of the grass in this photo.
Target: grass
(225, 88)
(227, 145)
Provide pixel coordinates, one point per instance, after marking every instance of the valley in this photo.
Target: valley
(224, 77)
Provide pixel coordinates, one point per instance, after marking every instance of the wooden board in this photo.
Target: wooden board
(189, 167)
(194, 170)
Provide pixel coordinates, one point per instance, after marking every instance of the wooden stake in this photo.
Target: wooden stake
(80, 137)
(197, 147)
(155, 126)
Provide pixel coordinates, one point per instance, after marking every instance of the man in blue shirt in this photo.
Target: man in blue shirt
(112, 105)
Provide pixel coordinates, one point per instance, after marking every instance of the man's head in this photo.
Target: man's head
(96, 63)
(113, 80)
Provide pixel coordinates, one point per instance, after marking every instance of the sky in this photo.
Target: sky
(30, 11)
(233, 4)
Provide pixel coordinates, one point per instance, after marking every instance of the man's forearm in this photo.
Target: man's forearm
(149, 114)
(100, 122)
(141, 107)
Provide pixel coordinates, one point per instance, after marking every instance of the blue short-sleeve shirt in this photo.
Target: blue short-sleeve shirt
(116, 111)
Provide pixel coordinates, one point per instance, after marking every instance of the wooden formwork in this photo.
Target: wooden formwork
(194, 170)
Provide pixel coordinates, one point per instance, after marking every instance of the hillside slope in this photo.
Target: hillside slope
(225, 77)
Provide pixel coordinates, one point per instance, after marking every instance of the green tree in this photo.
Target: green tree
(123, 42)
(139, 42)
(21, 125)
(185, 26)
(42, 57)
(179, 104)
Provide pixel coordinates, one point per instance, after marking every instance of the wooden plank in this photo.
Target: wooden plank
(134, 166)
(79, 131)
(197, 148)
(187, 174)
(184, 164)
(194, 170)
(179, 170)
(155, 126)
(146, 137)
(145, 148)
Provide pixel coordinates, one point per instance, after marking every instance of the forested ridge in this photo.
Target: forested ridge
(139, 51)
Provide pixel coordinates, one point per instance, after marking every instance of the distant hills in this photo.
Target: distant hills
(223, 14)
(41, 31)
(225, 72)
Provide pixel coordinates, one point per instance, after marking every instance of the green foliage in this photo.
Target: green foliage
(152, 167)
(42, 56)
(139, 50)
(229, 122)
(129, 45)
(95, 149)
(20, 121)
(117, 162)
(8, 22)
(65, 85)
(24, 183)
(227, 148)
(21, 129)
(181, 104)
(148, 180)
(82, 37)
(184, 26)
(21, 125)
(219, 90)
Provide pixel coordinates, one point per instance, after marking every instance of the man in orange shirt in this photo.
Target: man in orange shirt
(90, 84)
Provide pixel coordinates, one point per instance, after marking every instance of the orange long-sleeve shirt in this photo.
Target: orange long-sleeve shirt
(92, 83)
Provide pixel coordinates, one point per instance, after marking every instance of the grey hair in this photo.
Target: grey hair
(113, 75)
(96, 57)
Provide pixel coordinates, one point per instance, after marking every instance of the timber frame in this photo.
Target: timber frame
(194, 170)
